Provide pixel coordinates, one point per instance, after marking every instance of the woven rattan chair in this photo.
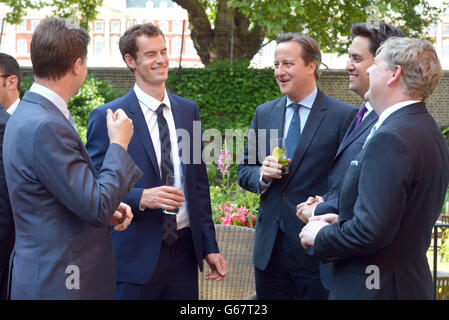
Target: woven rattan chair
(442, 288)
(236, 246)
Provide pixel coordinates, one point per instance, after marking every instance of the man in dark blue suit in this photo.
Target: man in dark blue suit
(393, 190)
(313, 126)
(367, 39)
(9, 99)
(150, 264)
(62, 206)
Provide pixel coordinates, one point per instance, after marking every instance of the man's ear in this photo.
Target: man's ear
(11, 82)
(130, 62)
(76, 67)
(396, 77)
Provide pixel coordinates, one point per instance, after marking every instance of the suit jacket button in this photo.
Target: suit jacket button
(276, 220)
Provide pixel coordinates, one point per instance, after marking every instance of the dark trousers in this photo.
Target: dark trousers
(284, 280)
(175, 277)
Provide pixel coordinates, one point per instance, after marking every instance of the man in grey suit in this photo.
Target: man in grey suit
(62, 206)
(393, 191)
(367, 39)
(313, 125)
(9, 99)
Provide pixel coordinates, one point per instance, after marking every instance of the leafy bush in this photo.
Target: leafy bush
(227, 95)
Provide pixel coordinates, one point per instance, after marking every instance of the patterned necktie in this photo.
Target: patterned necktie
(359, 117)
(294, 131)
(169, 233)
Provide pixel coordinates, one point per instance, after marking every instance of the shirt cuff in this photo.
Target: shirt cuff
(262, 185)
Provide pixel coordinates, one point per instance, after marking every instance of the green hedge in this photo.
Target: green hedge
(227, 95)
(93, 93)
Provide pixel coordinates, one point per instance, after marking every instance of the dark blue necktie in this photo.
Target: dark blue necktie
(294, 131)
(169, 232)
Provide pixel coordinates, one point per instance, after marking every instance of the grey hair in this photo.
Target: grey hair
(421, 69)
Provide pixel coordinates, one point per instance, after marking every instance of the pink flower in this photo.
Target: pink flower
(224, 161)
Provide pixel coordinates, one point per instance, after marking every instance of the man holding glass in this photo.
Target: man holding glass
(158, 258)
(312, 125)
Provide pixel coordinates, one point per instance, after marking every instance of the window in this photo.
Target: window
(34, 24)
(446, 30)
(130, 24)
(115, 50)
(176, 46)
(190, 48)
(149, 4)
(177, 27)
(163, 25)
(163, 5)
(22, 47)
(22, 27)
(99, 46)
(135, 3)
(115, 26)
(446, 48)
(99, 27)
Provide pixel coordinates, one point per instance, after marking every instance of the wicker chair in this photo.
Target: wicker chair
(236, 246)
(442, 288)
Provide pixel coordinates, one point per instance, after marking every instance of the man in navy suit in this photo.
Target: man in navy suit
(367, 39)
(62, 206)
(9, 99)
(393, 190)
(314, 125)
(151, 265)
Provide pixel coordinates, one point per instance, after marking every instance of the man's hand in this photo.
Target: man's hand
(271, 169)
(120, 127)
(122, 217)
(164, 197)
(218, 266)
(328, 217)
(306, 209)
(309, 232)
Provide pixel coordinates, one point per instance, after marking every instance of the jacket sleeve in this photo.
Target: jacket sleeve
(97, 145)
(65, 171)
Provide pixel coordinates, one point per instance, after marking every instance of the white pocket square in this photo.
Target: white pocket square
(354, 163)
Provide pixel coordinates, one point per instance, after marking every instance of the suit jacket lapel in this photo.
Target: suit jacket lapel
(316, 116)
(141, 128)
(354, 134)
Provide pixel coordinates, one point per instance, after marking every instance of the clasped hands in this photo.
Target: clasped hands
(314, 224)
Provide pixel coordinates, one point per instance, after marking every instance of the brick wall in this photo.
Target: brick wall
(332, 82)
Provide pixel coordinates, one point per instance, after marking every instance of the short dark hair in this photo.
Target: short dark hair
(310, 48)
(128, 44)
(9, 66)
(56, 44)
(377, 33)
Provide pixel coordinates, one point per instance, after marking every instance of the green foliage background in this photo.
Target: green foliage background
(227, 95)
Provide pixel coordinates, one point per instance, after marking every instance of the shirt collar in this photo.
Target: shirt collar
(149, 101)
(368, 107)
(52, 96)
(387, 112)
(13, 107)
(307, 101)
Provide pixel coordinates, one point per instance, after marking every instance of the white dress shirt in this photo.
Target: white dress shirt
(13, 107)
(369, 109)
(149, 105)
(390, 110)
